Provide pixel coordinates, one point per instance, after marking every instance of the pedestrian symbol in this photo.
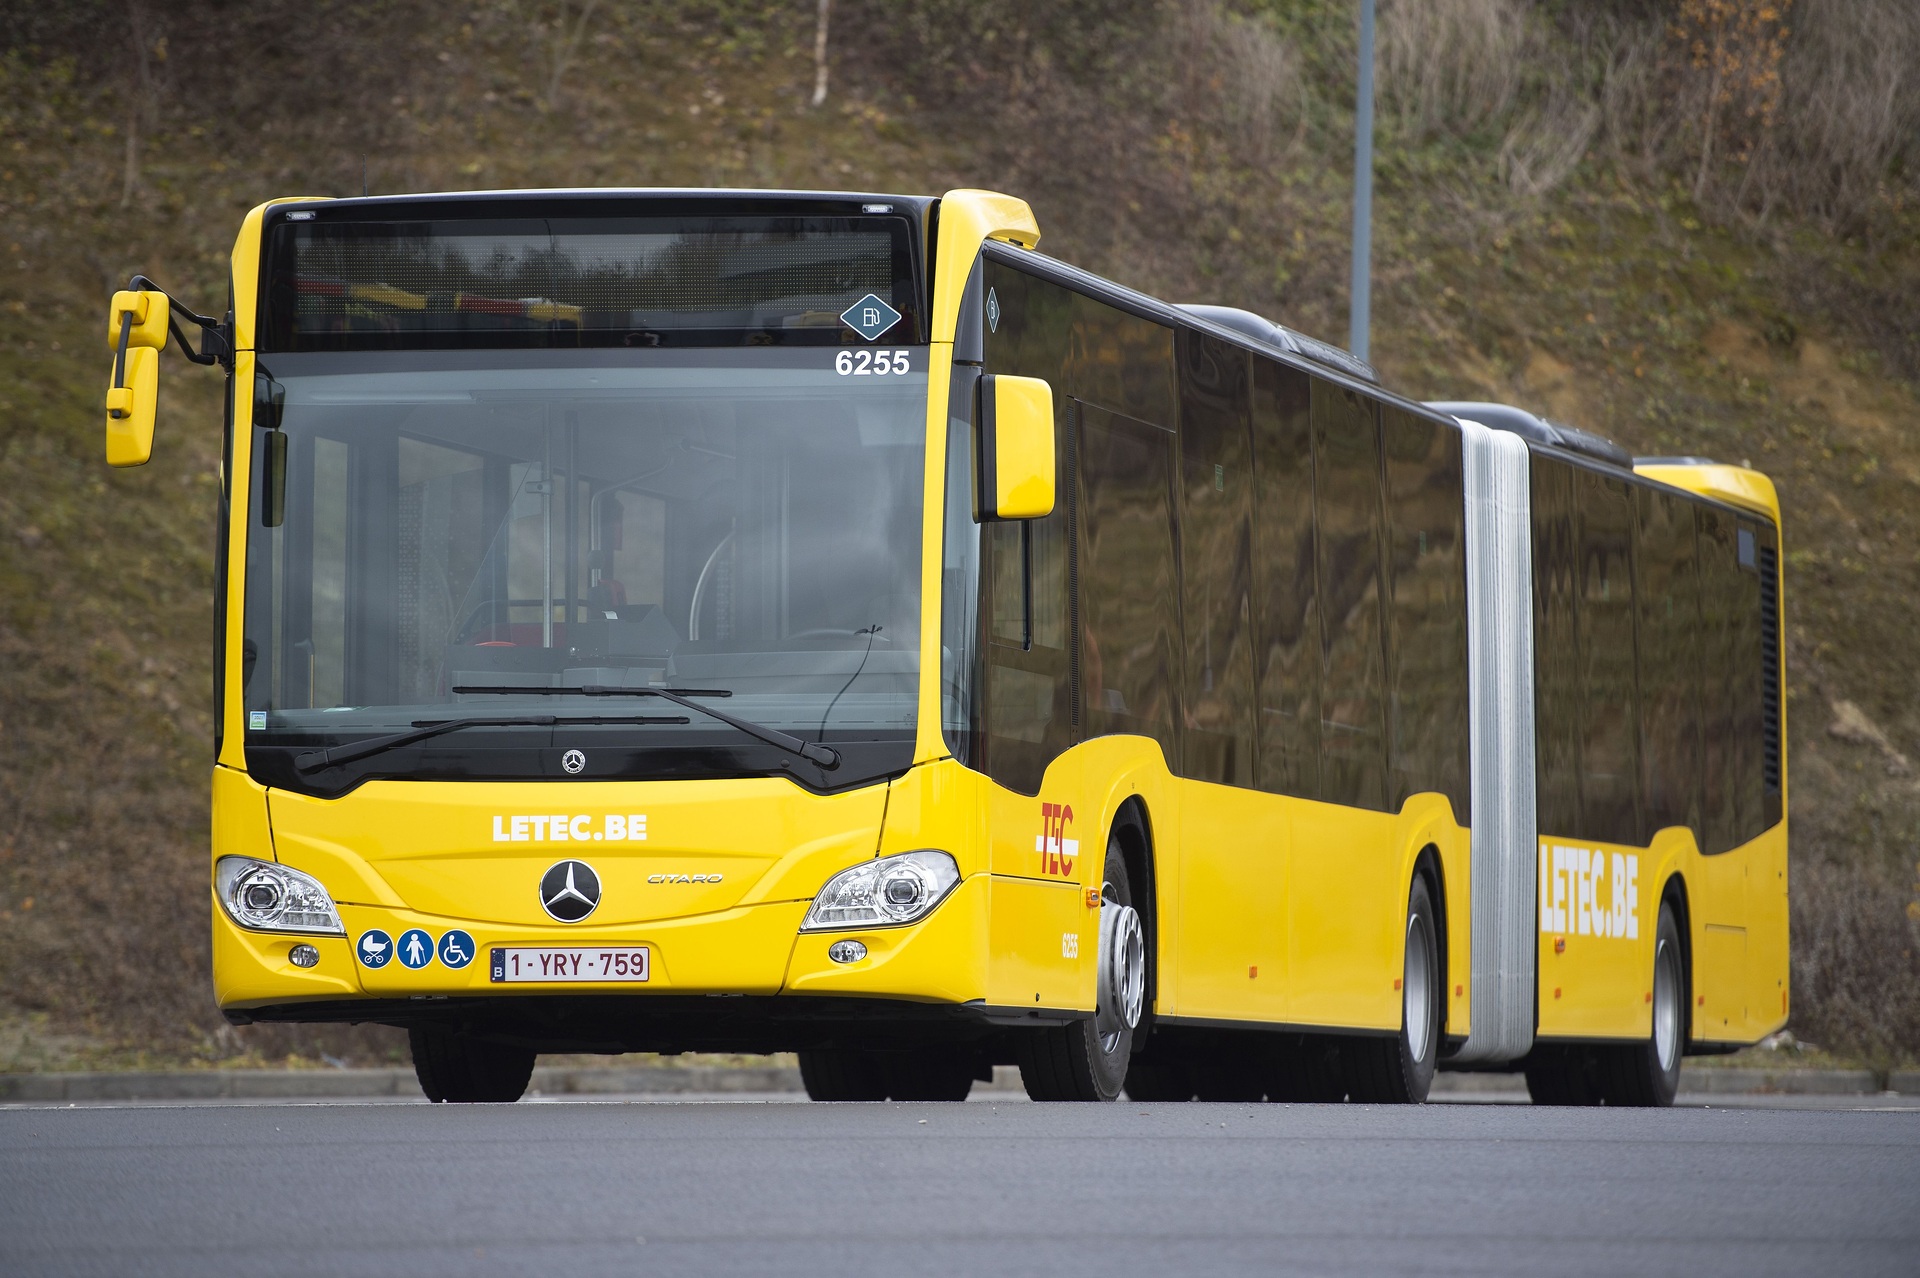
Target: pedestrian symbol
(375, 948)
(456, 948)
(416, 948)
(870, 317)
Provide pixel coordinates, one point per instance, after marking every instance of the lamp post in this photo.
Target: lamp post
(1361, 285)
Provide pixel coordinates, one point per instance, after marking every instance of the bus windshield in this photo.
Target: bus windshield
(743, 521)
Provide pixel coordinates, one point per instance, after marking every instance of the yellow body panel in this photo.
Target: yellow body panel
(1234, 898)
(1598, 912)
(450, 848)
(1595, 982)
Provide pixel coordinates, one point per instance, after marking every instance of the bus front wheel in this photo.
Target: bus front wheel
(454, 1068)
(1088, 1060)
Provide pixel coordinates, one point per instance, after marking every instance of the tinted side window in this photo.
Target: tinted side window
(1121, 362)
(1748, 680)
(1667, 598)
(1286, 610)
(1130, 611)
(1346, 483)
(1609, 780)
(1556, 668)
(1029, 711)
(1720, 601)
(1427, 609)
(1216, 484)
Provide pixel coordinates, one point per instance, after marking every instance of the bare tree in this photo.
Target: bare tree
(820, 53)
(143, 98)
(565, 45)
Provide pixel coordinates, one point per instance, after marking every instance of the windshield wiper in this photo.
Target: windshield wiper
(825, 756)
(424, 729)
(812, 751)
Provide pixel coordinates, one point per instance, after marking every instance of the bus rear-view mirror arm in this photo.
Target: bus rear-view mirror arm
(139, 320)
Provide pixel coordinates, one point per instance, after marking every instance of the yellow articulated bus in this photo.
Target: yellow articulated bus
(757, 621)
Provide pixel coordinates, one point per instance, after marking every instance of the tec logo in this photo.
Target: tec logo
(1057, 851)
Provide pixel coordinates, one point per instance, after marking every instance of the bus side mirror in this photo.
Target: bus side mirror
(1013, 449)
(131, 401)
(136, 330)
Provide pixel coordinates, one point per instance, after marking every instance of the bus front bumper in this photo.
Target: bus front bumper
(726, 976)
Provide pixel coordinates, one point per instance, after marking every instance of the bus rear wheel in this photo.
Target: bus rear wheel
(455, 1068)
(1399, 1070)
(1648, 1074)
(1088, 1060)
(1635, 1074)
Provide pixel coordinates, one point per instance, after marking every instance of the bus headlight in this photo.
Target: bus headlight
(884, 892)
(272, 898)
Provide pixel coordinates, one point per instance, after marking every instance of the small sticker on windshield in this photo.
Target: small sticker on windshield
(257, 721)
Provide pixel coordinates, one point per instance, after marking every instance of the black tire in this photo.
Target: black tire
(1647, 1075)
(843, 1076)
(453, 1068)
(1562, 1077)
(1398, 1070)
(1311, 1070)
(932, 1074)
(1229, 1078)
(1156, 1077)
(1074, 1062)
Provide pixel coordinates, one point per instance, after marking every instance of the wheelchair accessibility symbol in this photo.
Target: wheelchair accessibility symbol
(456, 948)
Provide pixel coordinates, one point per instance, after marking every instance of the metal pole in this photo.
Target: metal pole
(1361, 287)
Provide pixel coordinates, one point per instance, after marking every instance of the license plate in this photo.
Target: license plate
(570, 963)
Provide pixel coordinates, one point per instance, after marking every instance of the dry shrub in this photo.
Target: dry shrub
(1851, 113)
(1856, 981)
(1453, 65)
(1261, 88)
(1801, 107)
(1548, 142)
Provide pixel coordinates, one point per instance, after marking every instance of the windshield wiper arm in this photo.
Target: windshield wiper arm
(812, 751)
(425, 729)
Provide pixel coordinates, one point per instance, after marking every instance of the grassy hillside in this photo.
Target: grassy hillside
(1575, 213)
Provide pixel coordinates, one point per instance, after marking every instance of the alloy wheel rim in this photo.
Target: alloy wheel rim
(1666, 1006)
(1123, 974)
(1418, 988)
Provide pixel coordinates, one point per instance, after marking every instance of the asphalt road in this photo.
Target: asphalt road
(1000, 1187)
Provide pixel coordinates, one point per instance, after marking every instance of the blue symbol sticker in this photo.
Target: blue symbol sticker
(456, 948)
(375, 948)
(870, 317)
(416, 948)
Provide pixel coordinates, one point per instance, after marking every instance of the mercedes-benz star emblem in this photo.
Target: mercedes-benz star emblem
(570, 891)
(574, 761)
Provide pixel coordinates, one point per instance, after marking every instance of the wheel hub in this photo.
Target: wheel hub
(1123, 972)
